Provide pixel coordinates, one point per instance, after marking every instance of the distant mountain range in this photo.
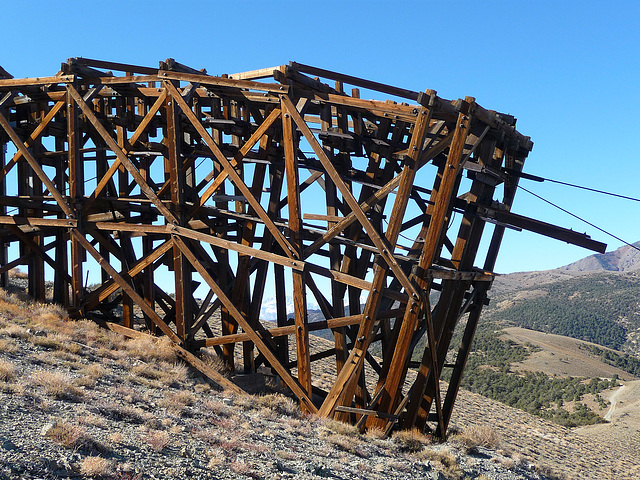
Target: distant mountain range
(269, 310)
(596, 299)
(624, 259)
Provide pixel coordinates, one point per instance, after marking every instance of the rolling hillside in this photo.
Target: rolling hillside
(596, 299)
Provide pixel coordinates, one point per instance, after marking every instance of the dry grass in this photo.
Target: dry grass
(478, 436)
(73, 436)
(147, 348)
(375, 433)
(17, 273)
(8, 346)
(445, 462)
(176, 402)
(146, 371)
(95, 467)
(216, 457)
(116, 438)
(94, 420)
(341, 428)
(94, 370)
(158, 440)
(8, 371)
(15, 330)
(279, 404)
(57, 385)
(343, 442)
(410, 440)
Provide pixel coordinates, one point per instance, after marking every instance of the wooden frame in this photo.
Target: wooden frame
(174, 182)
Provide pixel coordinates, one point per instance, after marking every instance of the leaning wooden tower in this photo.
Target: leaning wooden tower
(282, 181)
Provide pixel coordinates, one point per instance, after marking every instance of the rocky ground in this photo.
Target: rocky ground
(80, 402)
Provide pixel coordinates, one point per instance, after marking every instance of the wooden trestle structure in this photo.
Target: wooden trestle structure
(276, 180)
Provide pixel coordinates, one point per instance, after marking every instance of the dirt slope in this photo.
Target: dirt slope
(561, 355)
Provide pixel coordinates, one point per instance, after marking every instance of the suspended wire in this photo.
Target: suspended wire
(579, 218)
(400, 234)
(536, 178)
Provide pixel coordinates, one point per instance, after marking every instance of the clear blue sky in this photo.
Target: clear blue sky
(567, 70)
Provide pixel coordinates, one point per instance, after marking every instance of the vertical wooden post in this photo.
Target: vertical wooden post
(60, 285)
(76, 193)
(4, 248)
(295, 224)
(181, 267)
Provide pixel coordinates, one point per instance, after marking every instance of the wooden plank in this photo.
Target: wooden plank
(373, 200)
(33, 137)
(122, 67)
(543, 228)
(364, 411)
(39, 250)
(246, 147)
(355, 81)
(254, 74)
(36, 81)
(243, 249)
(224, 82)
(283, 331)
(396, 369)
(38, 221)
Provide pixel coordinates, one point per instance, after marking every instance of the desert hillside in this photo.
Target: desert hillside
(78, 401)
(95, 405)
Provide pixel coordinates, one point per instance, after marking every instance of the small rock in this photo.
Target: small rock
(227, 401)
(46, 429)
(7, 444)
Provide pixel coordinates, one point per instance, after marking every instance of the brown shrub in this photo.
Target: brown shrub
(410, 440)
(8, 346)
(95, 467)
(158, 440)
(341, 428)
(148, 348)
(17, 273)
(73, 436)
(16, 331)
(444, 462)
(57, 385)
(176, 402)
(8, 371)
(278, 403)
(478, 436)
